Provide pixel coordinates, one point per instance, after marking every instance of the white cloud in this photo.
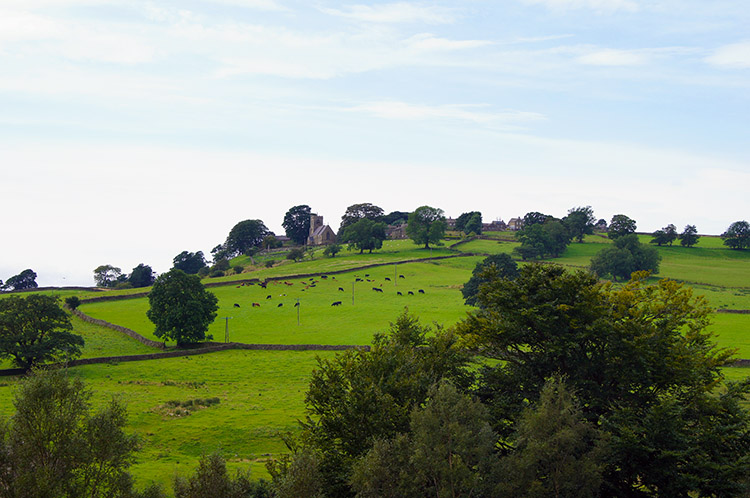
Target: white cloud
(269, 5)
(735, 55)
(400, 12)
(595, 5)
(611, 57)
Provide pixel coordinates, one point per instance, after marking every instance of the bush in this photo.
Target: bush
(216, 273)
(222, 264)
(72, 302)
(204, 272)
(238, 268)
(270, 263)
(296, 254)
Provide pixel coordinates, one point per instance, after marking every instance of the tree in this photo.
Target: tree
(641, 363)
(396, 218)
(142, 276)
(689, 237)
(357, 212)
(464, 218)
(556, 451)
(24, 280)
(543, 239)
(244, 235)
(580, 222)
(53, 446)
(490, 268)
(534, 217)
(34, 329)
(296, 254)
(219, 252)
(627, 256)
(474, 224)
(363, 234)
(271, 242)
(297, 223)
(180, 307)
(211, 480)
(737, 235)
(666, 235)
(426, 225)
(107, 275)
(189, 262)
(620, 225)
(332, 250)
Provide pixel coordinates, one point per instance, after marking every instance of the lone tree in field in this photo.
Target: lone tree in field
(689, 237)
(620, 225)
(245, 235)
(737, 235)
(34, 329)
(362, 211)
(297, 223)
(666, 235)
(364, 235)
(627, 256)
(580, 222)
(426, 224)
(181, 308)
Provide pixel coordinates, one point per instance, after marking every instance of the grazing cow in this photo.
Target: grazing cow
(420, 291)
(341, 289)
(401, 276)
(256, 305)
(268, 296)
(296, 304)
(337, 303)
(236, 305)
(239, 286)
(377, 289)
(367, 274)
(387, 279)
(399, 293)
(280, 305)
(357, 279)
(411, 293)
(324, 276)
(333, 278)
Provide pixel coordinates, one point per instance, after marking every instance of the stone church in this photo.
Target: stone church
(320, 234)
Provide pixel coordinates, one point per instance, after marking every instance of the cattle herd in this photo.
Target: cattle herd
(311, 284)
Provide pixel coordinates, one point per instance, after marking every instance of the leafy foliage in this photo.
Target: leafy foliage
(34, 329)
(534, 218)
(490, 268)
(620, 225)
(357, 212)
(296, 254)
(363, 234)
(332, 250)
(689, 237)
(666, 235)
(470, 222)
(627, 256)
(107, 275)
(24, 280)
(244, 235)
(426, 225)
(539, 240)
(180, 307)
(737, 235)
(297, 223)
(211, 480)
(580, 222)
(189, 262)
(142, 276)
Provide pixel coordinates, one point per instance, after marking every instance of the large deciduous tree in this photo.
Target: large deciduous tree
(34, 329)
(24, 280)
(363, 234)
(666, 235)
(142, 276)
(297, 223)
(539, 240)
(737, 235)
(180, 307)
(107, 275)
(689, 237)
(245, 235)
(490, 268)
(620, 225)
(642, 364)
(625, 257)
(580, 222)
(357, 212)
(189, 262)
(426, 225)
(469, 222)
(534, 217)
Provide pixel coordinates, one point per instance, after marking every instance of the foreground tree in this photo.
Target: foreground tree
(53, 446)
(189, 262)
(363, 211)
(244, 235)
(297, 223)
(211, 480)
(620, 225)
(689, 237)
(490, 268)
(181, 308)
(580, 222)
(737, 235)
(426, 225)
(642, 364)
(24, 280)
(626, 256)
(363, 234)
(34, 329)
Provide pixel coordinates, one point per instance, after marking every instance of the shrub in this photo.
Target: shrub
(270, 263)
(72, 302)
(238, 268)
(216, 273)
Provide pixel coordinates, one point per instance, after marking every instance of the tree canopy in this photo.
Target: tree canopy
(364, 234)
(426, 225)
(469, 222)
(396, 218)
(180, 307)
(24, 280)
(297, 223)
(142, 276)
(189, 262)
(689, 237)
(580, 222)
(665, 235)
(107, 275)
(244, 235)
(490, 268)
(737, 235)
(620, 225)
(625, 257)
(539, 240)
(534, 217)
(357, 212)
(34, 329)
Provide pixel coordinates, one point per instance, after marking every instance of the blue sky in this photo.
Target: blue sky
(131, 130)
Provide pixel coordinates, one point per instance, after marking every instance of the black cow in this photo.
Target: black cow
(388, 279)
(401, 276)
(341, 289)
(337, 303)
(280, 305)
(296, 305)
(268, 296)
(236, 305)
(420, 291)
(411, 293)
(399, 293)
(377, 289)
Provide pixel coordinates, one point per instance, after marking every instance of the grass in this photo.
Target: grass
(732, 331)
(260, 395)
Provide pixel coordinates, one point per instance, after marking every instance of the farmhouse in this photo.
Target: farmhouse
(515, 224)
(320, 234)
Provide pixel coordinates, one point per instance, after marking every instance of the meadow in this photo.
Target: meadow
(261, 393)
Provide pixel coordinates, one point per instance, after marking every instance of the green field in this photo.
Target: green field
(261, 393)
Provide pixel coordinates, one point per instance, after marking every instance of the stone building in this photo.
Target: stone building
(320, 233)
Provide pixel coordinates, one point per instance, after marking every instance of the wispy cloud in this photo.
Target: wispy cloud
(735, 55)
(400, 12)
(595, 5)
(611, 57)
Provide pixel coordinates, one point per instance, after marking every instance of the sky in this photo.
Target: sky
(132, 130)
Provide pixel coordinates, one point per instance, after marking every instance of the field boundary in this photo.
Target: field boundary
(128, 332)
